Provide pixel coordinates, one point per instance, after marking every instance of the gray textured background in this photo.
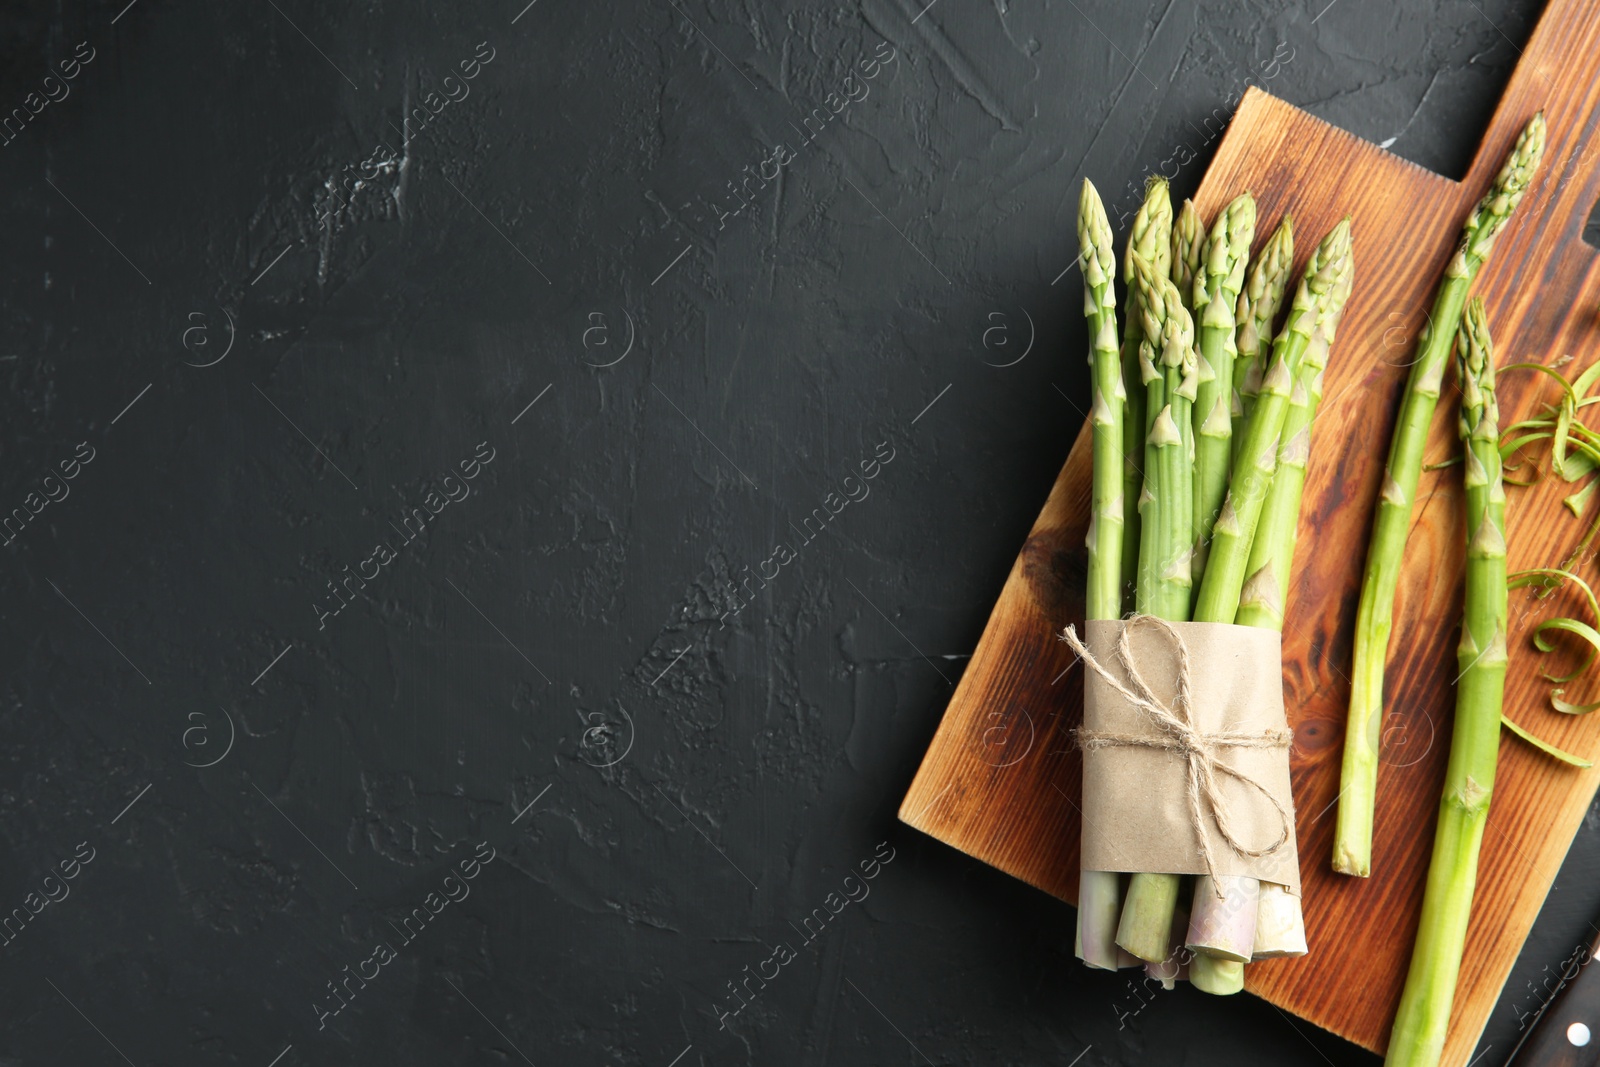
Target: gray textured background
(298, 790)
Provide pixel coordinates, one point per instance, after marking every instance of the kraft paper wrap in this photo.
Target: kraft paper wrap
(1136, 808)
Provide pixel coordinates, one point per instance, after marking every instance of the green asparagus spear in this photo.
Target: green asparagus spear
(1318, 296)
(1224, 926)
(1150, 240)
(1417, 1039)
(1164, 553)
(1352, 849)
(1259, 301)
(1099, 896)
(1215, 295)
(1188, 252)
(1104, 598)
(1261, 601)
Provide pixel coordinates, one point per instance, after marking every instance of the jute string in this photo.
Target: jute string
(1179, 734)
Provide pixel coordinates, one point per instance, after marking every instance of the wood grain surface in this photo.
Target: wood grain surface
(1000, 780)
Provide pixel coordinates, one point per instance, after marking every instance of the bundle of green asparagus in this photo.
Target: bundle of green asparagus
(1201, 433)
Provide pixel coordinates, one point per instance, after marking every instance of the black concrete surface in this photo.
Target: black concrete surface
(618, 295)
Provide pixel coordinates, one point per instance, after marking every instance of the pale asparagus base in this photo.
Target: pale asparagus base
(1224, 923)
(1099, 907)
(1280, 925)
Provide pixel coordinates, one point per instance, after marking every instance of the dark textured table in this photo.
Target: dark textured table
(497, 499)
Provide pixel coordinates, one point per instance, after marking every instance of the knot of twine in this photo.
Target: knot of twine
(1179, 734)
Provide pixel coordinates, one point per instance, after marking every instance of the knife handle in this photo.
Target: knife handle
(1567, 1034)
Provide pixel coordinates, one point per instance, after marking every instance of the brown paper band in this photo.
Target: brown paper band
(1185, 764)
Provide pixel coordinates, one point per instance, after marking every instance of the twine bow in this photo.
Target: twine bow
(1179, 734)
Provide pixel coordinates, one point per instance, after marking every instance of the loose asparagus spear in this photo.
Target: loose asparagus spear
(1421, 1024)
(1259, 301)
(1352, 848)
(1164, 552)
(1150, 240)
(1223, 917)
(1215, 296)
(1188, 253)
(1099, 896)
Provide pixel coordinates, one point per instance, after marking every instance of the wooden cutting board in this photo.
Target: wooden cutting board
(1000, 780)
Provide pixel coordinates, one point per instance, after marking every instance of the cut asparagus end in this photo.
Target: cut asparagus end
(1224, 917)
(1217, 977)
(1146, 926)
(1099, 904)
(1280, 924)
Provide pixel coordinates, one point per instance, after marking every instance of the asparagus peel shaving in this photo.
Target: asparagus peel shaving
(1215, 301)
(1352, 852)
(1424, 1016)
(1099, 892)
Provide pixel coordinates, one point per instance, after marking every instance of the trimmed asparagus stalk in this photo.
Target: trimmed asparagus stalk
(1352, 850)
(1216, 976)
(1223, 922)
(1280, 925)
(1150, 240)
(1314, 300)
(1099, 892)
(1423, 1019)
(1188, 253)
(1164, 577)
(1259, 301)
(1216, 294)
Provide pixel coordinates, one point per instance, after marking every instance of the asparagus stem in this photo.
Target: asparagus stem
(1352, 850)
(1422, 1022)
(1216, 294)
(1164, 552)
(1318, 296)
(1188, 253)
(1219, 977)
(1146, 927)
(1099, 892)
(1259, 301)
(1150, 240)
